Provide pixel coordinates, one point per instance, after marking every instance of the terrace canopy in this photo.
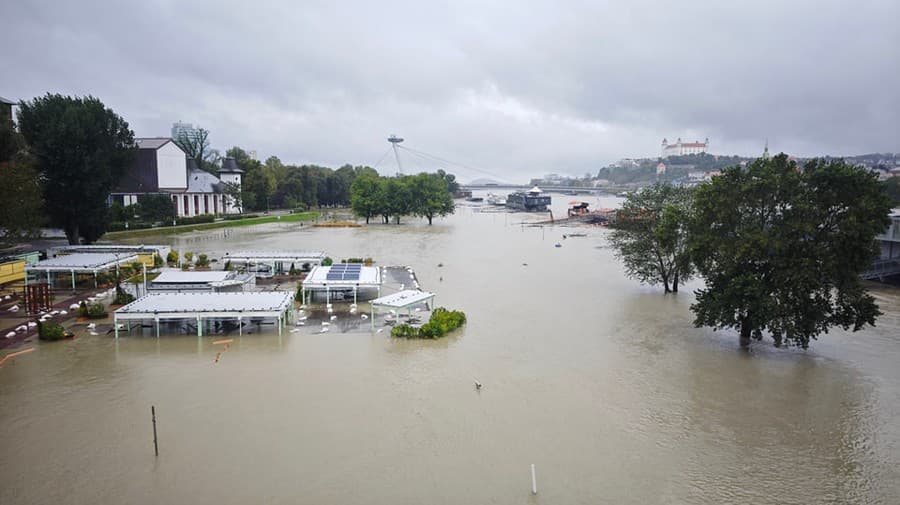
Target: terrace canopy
(400, 300)
(276, 259)
(84, 263)
(200, 307)
(212, 280)
(341, 277)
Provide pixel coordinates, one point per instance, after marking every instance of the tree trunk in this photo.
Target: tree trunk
(429, 220)
(72, 235)
(367, 219)
(665, 279)
(675, 283)
(745, 334)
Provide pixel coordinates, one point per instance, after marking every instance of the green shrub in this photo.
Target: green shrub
(202, 260)
(137, 266)
(122, 298)
(50, 330)
(327, 262)
(157, 261)
(188, 256)
(172, 257)
(205, 218)
(103, 278)
(92, 311)
(404, 331)
(441, 322)
(353, 260)
(235, 217)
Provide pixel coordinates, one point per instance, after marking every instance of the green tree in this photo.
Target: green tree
(21, 202)
(366, 196)
(650, 235)
(781, 248)
(80, 148)
(893, 189)
(155, 208)
(430, 196)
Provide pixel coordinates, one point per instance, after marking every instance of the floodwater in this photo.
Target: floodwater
(603, 384)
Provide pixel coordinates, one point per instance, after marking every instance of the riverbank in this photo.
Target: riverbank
(279, 218)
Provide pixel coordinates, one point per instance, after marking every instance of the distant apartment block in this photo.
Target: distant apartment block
(185, 129)
(680, 148)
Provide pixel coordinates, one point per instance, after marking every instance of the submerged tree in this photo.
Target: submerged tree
(782, 247)
(430, 196)
(81, 149)
(650, 235)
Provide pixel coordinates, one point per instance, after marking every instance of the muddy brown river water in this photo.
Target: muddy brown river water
(603, 384)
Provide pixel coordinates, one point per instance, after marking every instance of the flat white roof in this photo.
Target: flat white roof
(82, 262)
(172, 276)
(403, 299)
(111, 248)
(250, 256)
(187, 305)
(318, 277)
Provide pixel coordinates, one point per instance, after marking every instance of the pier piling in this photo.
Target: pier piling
(156, 445)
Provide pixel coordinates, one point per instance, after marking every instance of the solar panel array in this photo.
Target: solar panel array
(344, 272)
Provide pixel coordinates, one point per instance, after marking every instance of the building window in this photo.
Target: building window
(196, 204)
(215, 204)
(175, 203)
(206, 204)
(187, 206)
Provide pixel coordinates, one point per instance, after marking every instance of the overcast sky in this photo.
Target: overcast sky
(509, 88)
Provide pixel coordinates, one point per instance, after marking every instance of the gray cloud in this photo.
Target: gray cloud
(515, 89)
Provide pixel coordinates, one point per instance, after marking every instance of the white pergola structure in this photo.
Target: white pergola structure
(276, 259)
(171, 279)
(81, 263)
(200, 307)
(340, 277)
(401, 300)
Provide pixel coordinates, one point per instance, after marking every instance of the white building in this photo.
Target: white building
(680, 148)
(161, 167)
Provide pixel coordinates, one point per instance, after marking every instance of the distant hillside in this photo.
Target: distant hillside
(484, 181)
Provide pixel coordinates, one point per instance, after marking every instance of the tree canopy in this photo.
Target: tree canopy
(426, 195)
(81, 149)
(21, 203)
(781, 248)
(197, 146)
(650, 235)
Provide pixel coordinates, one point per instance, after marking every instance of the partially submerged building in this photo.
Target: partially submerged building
(341, 282)
(207, 311)
(267, 263)
(193, 281)
(145, 253)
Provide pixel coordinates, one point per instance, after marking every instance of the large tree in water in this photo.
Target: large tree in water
(81, 149)
(781, 248)
(650, 235)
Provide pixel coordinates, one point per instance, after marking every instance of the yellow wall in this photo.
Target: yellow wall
(146, 258)
(12, 271)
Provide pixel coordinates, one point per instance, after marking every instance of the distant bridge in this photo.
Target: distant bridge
(565, 189)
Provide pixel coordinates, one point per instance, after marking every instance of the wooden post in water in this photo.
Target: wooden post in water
(533, 480)
(156, 445)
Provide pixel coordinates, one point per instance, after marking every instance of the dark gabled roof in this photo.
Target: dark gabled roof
(6, 101)
(229, 166)
(152, 142)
